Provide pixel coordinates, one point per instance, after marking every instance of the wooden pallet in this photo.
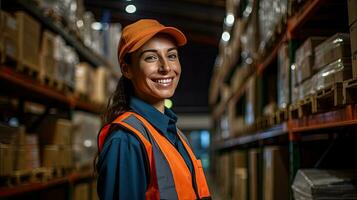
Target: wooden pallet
(350, 91)
(294, 111)
(329, 97)
(304, 107)
(282, 115)
(19, 177)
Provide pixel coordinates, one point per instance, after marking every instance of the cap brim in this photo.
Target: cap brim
(173, 32)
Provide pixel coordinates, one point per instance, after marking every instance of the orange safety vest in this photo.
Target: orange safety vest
(185, 187)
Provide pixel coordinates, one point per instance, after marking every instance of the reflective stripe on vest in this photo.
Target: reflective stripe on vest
(173, 180)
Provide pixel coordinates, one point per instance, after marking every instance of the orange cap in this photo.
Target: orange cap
(138, 33)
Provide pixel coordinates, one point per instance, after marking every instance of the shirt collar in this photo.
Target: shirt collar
(156, 118)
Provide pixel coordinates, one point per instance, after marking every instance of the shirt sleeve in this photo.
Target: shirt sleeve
(122, 172)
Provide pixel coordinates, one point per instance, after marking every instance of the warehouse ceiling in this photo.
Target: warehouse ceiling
(200, 20)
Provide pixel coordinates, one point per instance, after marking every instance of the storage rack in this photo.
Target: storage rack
(33, 90)
(291, 132)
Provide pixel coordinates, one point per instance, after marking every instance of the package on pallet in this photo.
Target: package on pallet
(305, 57)
(336, 47)
(283, 76)
(276, 173)
(306, 88)
(99, 94)
(353, 37)
(50, 156)
(28, 154)
(9, 35)
(253, 173)
(81, 191)
(12, 135)
(67, 71)
(352, 11)
(7, 159)
(28, 40)
(337, 71)
(56, 131)
(272, 16)
(83, 79)
(46, 55)
(240, 182)
(325, 184)
(86, 127)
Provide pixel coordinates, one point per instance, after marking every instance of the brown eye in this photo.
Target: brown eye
(150, 58)
(172, 56)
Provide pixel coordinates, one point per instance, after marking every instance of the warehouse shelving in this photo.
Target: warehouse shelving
(297, 136)
(88, 55)
(36, 91)
(31, 187)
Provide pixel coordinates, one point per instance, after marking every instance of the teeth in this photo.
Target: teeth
(164, 81)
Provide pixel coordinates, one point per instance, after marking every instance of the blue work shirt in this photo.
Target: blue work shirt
(122, 164)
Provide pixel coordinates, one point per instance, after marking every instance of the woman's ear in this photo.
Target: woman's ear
(125, 70)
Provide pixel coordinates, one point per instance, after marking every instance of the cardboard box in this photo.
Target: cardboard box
(353, 37)
(83, 79)
(276, 173)
(10, 47)
(307, 48)
(100, 94)
(12, 135)
(48, 43)
(239, 191)
(354, 65)
(9, 26)
(352, 11)
(334, 48)
(47, 66)
(81, 191)
(29, 40)
(7, 159)
(337, 71)
(56, 131)
(254, 174)
(50, 156)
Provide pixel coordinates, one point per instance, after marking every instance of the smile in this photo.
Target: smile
(166, 81)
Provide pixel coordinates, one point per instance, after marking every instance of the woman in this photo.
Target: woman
(142, 155)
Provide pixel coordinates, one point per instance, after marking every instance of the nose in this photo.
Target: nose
(164, 65)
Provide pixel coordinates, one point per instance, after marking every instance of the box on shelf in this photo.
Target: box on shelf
(253, 171)
(9, 26)
(99, 94)
(12, 135)
(81, 191)
(283, 76)
(28, 40)
(352, 11)
(56, 131)
(307, 48)
(337, 71)
(336, 47)
(240, 180)
(84, 79)
(50, 156)
(47, 66)
(7, 159)
(353, 37)
(48, 43)
(325, 184)
(65, 156)
(276, 173)
(28, 154)
(304, 68)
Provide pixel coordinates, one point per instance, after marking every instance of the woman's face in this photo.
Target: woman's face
(155, 69)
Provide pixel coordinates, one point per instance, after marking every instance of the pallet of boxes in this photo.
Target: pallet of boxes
(350, 86)
(20, 157)
(20, 37)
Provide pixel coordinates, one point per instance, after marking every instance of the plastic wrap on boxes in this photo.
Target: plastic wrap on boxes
(337, 71)
(294, 88)
(67, 71)
(272, 13)
(283, 76)
(334, 48)
(307, 48)
(306, 88)
(318, 184)
(84, 137)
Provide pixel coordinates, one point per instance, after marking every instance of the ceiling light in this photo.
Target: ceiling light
(226, 36)
(229, 20)
(130, 9)
(96, 26)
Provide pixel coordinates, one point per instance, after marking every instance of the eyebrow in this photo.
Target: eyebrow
(155, 51)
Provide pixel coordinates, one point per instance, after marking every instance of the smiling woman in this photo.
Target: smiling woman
(142, 154)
